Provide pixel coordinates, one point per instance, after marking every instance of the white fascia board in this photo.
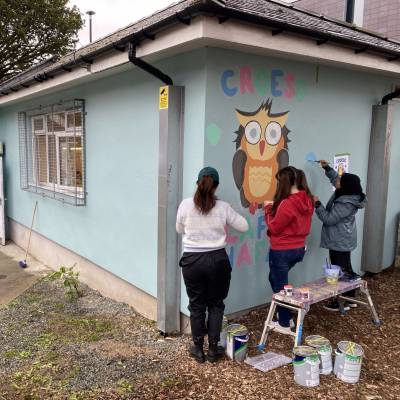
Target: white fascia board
(259, 40)
(207, 31)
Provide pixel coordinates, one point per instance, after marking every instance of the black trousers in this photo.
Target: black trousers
(207, 276)
(343, 260)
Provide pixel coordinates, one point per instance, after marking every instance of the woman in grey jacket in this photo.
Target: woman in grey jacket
(339, 230)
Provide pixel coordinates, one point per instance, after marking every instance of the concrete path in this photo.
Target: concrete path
(13, 279)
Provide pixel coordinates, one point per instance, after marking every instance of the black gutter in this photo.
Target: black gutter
(146, 66)
(390, 96)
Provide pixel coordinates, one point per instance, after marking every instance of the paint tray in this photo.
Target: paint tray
(267, 361)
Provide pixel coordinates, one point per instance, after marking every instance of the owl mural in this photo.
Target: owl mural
(261, 150)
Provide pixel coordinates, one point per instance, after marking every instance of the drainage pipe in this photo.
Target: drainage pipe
(390, 96)
(146, 66)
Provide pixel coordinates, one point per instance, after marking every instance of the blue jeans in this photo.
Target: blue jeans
(280, 263)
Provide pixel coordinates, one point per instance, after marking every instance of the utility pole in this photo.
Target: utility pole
(90, 13)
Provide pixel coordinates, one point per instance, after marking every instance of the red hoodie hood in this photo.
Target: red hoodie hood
(302, 202)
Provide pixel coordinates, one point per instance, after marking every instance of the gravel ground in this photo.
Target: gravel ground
(95, 348)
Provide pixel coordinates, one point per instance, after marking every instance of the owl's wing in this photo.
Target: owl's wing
(283, 158)
(238, 163)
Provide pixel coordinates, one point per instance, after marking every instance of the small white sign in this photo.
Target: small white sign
(341, 163)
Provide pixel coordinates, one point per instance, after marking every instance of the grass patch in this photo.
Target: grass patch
(32, 298)
(124, 387)
(170, 382)
(46, 340)
(90, 329)
(20, 355)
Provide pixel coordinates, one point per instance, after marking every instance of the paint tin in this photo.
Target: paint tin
(348, 361)
(224, 333)
(288, 290)
(305, 293)
(332, 273)
(324, 349)
(306, 366)
(237, 341)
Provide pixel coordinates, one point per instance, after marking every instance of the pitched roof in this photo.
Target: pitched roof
(272, 14)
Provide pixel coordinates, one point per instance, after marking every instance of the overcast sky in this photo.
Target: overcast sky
(114, 14)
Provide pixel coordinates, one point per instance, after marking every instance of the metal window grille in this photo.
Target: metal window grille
(52, 151)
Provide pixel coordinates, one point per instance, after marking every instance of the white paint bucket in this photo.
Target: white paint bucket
(224, 333)
(324, 349)
(306, 366)
(237, 341)
(348, 361)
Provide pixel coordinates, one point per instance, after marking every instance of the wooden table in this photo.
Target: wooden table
(319, 290)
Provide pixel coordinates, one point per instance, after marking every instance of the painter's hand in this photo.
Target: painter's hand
(316, 198)
(324, 163)
(268, 203)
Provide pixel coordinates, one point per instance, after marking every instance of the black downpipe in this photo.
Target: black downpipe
(390, 96)
(350, 11)
(146, 66)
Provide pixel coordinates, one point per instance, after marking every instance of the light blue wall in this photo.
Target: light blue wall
(330, 114)
(118, 228)
(393, 205)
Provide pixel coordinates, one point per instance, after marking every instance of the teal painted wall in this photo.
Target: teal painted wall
(118, 228)
(329, 113)
(393, 205)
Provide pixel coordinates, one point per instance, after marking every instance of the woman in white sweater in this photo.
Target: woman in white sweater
(205, 265)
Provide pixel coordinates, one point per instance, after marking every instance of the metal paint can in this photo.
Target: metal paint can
(224, 333)
(305, 293)
(306, 366)
(288, 290)
(348, 361)
(324, 349)
(237, 342)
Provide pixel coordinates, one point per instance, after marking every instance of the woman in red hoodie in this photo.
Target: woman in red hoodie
(288, 219)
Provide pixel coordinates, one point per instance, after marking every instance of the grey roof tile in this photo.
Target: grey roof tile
(266, 12)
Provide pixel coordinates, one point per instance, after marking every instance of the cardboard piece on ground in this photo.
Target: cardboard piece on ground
(267, 361)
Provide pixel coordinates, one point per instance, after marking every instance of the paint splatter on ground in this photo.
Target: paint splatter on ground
(95, 348)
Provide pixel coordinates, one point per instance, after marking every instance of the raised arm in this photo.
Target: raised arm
(235, 220)
(339, 212)
(331, 174)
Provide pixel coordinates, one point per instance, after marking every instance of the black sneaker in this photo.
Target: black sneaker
(334, 306)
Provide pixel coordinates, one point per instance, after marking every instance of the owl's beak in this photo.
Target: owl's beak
(262, 146)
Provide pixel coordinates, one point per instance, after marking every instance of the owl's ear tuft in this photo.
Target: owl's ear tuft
(239, 136)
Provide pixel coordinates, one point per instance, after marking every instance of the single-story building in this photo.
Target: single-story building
(108, 140)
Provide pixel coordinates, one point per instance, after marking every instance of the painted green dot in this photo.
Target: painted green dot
(213, 134)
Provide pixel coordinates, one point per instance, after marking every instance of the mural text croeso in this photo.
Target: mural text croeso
(249, 248)
(274, 83)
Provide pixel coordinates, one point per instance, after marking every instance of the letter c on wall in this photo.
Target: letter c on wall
(224, 83)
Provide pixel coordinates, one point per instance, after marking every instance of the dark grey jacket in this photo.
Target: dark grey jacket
(339, 230)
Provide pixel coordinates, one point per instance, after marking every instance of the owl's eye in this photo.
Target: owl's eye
(253, 132)
(273, 133)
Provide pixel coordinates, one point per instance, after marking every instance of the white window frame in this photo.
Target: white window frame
(67, 132)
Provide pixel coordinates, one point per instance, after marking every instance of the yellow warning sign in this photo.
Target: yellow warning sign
(163, 97)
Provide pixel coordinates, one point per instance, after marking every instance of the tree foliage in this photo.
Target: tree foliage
(33, 30)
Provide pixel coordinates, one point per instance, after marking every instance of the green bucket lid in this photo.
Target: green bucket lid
(304, 351)
(350, 348)
(317, 341)
(237, 330)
